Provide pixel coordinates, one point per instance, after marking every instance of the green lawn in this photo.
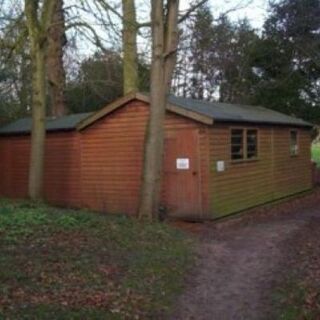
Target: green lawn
(65, 264)
(316, 153)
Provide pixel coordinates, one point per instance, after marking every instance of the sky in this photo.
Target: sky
(254, 10)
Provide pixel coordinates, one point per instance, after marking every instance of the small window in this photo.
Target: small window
(294, 143)
(237, 144)
(252, 144)
(244, 144)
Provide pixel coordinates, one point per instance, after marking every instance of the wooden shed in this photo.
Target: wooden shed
(219, 158)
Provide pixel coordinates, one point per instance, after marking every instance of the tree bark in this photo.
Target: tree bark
(164, 46)
(38, 24)
(56, 73)
(130, 56)
(24, 92)
(38, 124)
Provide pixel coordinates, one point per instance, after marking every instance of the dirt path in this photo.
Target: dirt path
(239, 264)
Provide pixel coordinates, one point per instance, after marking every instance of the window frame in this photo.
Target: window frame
(296, 153)
(245, 144)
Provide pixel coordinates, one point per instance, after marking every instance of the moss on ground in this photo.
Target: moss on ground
(67, 264)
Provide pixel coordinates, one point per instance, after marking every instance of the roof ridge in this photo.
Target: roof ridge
(223, 111)
(204, 111)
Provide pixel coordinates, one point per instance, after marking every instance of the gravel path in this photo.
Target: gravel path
(239, 264)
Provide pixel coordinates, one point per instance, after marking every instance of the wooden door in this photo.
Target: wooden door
(181, 184)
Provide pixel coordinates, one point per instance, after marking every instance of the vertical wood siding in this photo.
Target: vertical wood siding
(292, 173)
(62, 168)
(112, 157)
(275, 174)
(100, 167)
(14, 151)
(62, 180)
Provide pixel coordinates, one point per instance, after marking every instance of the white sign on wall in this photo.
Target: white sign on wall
(220, 166)
(183, 164)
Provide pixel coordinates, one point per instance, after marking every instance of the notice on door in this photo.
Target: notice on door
(220, 166)
(183, 164)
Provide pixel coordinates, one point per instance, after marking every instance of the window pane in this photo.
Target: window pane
(236, 140)
(237, 144)
(252, 136)
(237, 132)
(293, 143)
(252, 144)
(237, 150)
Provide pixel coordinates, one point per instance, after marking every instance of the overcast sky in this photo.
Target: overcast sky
(254, 10)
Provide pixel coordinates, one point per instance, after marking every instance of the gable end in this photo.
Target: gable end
(138, 96)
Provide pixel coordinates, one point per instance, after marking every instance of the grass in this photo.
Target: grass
(296, 301)
(65, 264)
(316, 153)
(298, 290)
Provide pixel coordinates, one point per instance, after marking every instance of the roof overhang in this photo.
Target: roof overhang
(144, 98)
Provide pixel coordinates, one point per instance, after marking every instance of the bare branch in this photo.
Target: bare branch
(83, 24)
(144, 25)
(191, 10)
(107, 7)
(239, 6)
(200, 3)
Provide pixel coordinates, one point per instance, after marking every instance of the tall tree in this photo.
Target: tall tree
(201, 55)
(130, 29)
(98, 81)
(164, 25)
(129, 44)
(15, 69)
(214, 61)
(38, 20)
(56, 74)
(234, 44)
(287, 59)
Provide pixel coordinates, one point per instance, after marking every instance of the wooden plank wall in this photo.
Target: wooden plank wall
(247, 184)
(112, 155)
(100, 167)
(62, 181)
(291, 174)
(14, 172)
(62, 168)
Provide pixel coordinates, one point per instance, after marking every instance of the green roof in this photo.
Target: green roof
(52, 124)
(218, 112)
(225, 112)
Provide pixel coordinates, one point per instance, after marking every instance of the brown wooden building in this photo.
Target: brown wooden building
(219, 158)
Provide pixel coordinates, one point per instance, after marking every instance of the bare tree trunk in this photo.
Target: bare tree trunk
(38, 124)
(24, 93)
(38, 24)
(164, 46)
(56, 73)
(130, 58)
(154, 134)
